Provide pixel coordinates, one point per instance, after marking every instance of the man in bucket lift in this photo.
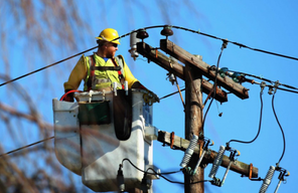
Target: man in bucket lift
(100, 70)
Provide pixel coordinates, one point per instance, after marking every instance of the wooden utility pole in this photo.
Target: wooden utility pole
(193, 124)
(192, 74)
(195, 68)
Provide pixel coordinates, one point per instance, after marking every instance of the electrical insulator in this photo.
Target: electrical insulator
(133, 45)
(167, 31)
(217, 161)
(142, 34)
(267, 180)
(171, 78)
(236, 76)
(223, 71)
(189, 151)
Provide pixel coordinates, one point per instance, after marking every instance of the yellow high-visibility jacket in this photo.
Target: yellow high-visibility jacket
(103, 78)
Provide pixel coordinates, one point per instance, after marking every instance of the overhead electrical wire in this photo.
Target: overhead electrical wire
(254, 82)
(43, 68)
(270, 81)
(175, 182)
(214, 91)
(224, 45)
(240, 77)
(238, 44)
(162, 174)
(166, 173)
(281, 129)
(260, 124)
(151, 27)
(173, 93)
(24, 147)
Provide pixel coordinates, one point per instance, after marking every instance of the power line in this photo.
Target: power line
(281, 129)
(150, 27)
(173, 93)
(242, 75)
(260, 123)
(24, 147)
(238, 44)
(43, 68)
(224, 45)
(162, 174)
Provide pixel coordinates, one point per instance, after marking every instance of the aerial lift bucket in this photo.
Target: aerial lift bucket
(94, 146)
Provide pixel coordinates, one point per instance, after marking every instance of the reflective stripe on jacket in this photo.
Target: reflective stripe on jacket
(103, 78)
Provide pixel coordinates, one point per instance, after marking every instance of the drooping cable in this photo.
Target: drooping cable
(154, 172)
(175, 182)
(224, 45)
(260, 121)
(126, 159)
(161, 174)
(24, 147)
(171, 181)
(281, 129)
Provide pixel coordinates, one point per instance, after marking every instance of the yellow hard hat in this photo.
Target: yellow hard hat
(109, 35)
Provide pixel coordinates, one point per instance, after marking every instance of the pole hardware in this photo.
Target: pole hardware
(217, 162)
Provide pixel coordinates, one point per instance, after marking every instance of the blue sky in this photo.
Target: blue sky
(264, 25)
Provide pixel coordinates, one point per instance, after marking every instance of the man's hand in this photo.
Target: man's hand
(69, 97)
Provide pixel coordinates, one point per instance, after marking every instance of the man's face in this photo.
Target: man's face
(111, 49)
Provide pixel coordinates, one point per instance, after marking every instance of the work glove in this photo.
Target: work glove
(69, 97)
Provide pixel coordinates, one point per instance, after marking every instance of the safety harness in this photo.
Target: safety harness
(116, 67)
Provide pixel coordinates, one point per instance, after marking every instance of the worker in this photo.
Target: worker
(100, 70)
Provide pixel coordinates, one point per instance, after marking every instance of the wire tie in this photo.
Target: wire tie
(224, 44)
(250, 171)
(276, 84)
(172, 139)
